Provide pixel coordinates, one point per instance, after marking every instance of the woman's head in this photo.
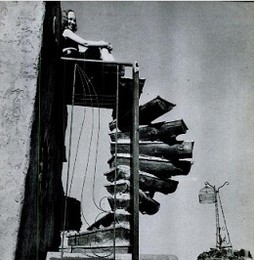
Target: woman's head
(69, 20)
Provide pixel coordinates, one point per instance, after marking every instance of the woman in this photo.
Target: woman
(71, 42)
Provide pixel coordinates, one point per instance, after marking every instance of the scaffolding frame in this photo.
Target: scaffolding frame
(134, 181)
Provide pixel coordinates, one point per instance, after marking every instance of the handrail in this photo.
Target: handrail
(128, 64)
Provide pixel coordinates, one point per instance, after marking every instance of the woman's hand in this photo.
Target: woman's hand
(109, 47)
(106, 45)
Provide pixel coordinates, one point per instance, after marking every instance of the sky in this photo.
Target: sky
(199, 56)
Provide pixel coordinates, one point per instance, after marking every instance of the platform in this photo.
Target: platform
(95, 83)
(79, 256)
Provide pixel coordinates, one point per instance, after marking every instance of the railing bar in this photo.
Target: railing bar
(128, 64)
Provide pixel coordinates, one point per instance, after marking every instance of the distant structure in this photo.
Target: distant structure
(224, 249)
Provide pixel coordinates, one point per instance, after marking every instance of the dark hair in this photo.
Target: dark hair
(65, 19)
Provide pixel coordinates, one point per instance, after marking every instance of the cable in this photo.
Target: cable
(88, 160)
(69, 156)
(88, 81)
(98, 135)
(83, 215)
(77, 148)
(95, 169)
(100, 205)
(87, 85)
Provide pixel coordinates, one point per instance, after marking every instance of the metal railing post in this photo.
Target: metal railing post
(135, 165)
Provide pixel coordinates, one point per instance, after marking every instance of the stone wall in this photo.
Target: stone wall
(42, 210)
(32, 128)
(20, 41)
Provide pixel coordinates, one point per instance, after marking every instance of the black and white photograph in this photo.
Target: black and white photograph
(126, 130)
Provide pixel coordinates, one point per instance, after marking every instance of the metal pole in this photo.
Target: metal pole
(135, 165)
(218, 237)
(217, 215)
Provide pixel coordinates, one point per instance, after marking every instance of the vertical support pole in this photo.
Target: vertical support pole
(135, 165)
(217, 220)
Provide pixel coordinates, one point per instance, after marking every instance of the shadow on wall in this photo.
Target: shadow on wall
(41, 221)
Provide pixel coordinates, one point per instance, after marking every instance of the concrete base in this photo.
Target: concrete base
(79, 256)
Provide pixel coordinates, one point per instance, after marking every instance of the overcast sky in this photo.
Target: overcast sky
(200, 56)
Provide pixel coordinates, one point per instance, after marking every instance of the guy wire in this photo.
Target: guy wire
(89, 155)
(77, 150)
(98, 135)
(69, 156)
(95, 169)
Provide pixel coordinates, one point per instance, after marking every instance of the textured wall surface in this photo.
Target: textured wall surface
(20, 41)
(41, 214)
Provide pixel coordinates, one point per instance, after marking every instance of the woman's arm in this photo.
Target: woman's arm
(73, 36)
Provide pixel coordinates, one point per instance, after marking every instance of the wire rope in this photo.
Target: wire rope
(77, 149)
(95, 169)
(90, 88)
(100, 203)
(95, 254)
(69, 156)
(84, 180)
(84, 218)
(88, 160)
(87, 80)
(98, 136)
